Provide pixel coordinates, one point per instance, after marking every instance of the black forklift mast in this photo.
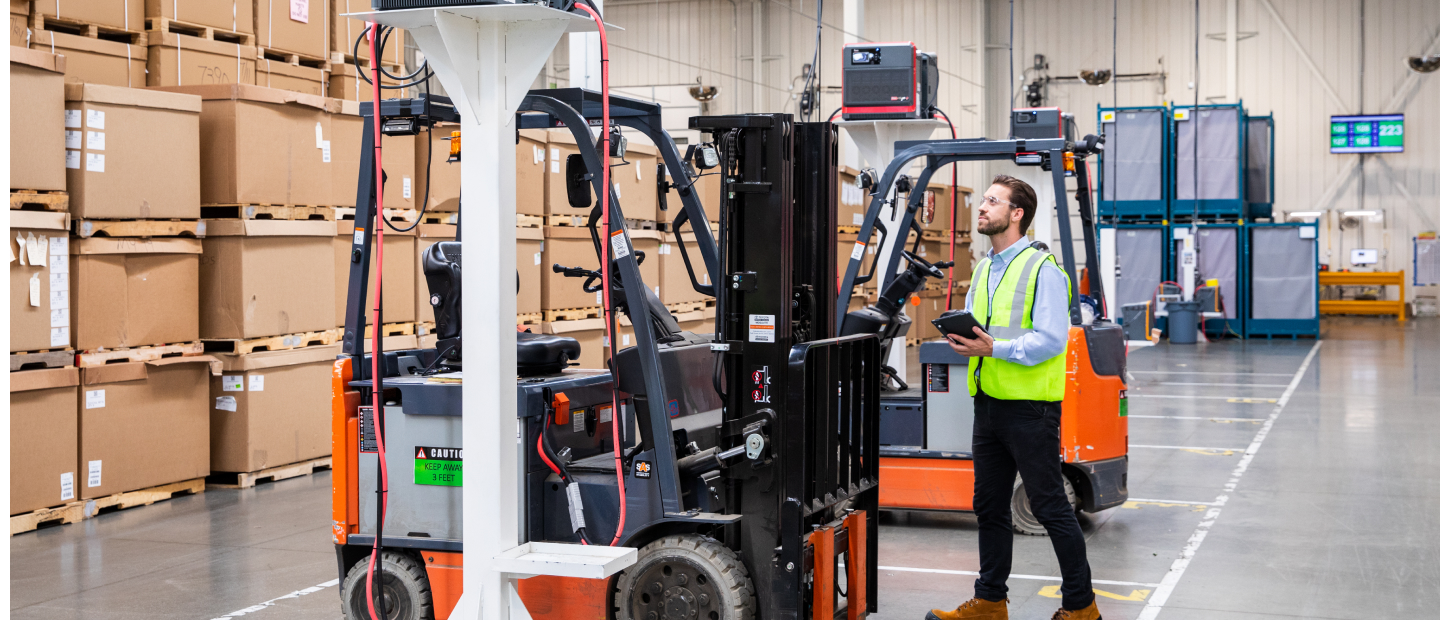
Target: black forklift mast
(939, 153)
(783, 365)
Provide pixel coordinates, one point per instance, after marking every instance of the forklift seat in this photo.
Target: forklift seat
(542, 354)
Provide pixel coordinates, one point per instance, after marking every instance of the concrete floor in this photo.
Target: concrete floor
(1329, 515)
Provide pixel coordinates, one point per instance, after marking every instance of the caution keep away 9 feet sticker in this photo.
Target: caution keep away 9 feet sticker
(439, 466)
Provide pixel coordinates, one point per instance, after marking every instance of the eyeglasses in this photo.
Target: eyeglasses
(995, 202)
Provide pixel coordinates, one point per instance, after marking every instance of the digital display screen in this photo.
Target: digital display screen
(1376, 133)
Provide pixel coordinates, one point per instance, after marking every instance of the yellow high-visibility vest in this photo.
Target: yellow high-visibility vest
(1008, 318)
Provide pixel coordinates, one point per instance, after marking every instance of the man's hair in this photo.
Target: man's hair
(1022, 196)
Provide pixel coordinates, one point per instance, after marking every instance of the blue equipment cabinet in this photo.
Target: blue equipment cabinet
(1259, 167)
(1221, 254)
(1220, 130)
(1135, 166)
(1284, 296)
(1141, 263)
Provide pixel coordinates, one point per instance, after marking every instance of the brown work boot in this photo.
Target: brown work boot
(973, 609)
(1089, 613)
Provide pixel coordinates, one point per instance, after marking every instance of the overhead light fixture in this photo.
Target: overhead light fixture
(1362, 213)
(1305, 214)
(1096, 78)
(1424, 64)
(703, 93)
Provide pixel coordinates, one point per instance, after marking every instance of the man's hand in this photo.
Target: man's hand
(977, 347)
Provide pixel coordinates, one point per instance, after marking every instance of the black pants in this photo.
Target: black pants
(1024, 436)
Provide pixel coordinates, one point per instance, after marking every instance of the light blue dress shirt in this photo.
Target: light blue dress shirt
(1050, 313)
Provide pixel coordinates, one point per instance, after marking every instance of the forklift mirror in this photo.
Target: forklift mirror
(577, 182)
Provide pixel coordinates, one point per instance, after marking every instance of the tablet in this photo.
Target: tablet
(958, 322)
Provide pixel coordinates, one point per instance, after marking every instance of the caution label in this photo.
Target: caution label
(762, 328)
(439, 466)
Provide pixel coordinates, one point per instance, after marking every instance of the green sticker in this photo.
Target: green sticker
(439, 466)
(1124, 406)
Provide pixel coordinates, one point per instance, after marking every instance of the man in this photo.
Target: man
(1017, 376)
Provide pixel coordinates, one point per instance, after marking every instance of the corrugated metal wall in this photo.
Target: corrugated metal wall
(673, 41)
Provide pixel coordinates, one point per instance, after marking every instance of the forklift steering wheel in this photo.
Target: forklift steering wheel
(930, 270)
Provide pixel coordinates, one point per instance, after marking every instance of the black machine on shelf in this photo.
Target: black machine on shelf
(887, 81)
(750, 458)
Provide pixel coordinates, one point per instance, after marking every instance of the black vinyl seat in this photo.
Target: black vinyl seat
(540, 354)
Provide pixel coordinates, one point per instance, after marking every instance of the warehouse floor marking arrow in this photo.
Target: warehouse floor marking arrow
(1135, 596)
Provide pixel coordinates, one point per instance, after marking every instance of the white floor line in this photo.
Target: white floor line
(1177, 569)
(1267, 385)
(971, 573)
(1193, 417)
(1136, 445)
(267, 604)
(1196, 372)
(1172, 501)
(1132, 394)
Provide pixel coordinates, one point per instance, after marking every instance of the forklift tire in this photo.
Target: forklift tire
(684, 577)
(1022, 519)
(402, 580)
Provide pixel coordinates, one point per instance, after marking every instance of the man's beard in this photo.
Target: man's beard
(993, 227)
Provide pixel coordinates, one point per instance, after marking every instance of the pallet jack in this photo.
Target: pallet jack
(743, 465)
(926, 430)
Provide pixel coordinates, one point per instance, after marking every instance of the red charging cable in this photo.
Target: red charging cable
(605, 250)
(377, 399)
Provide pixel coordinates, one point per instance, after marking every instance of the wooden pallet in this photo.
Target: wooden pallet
(51, 358)
(273, 343)
(633, 224)
(347, 214)
(575, 221)
(143, 497)
(290, 58)
(165, 24)
(571, 314)
(391, 329)
(266, 212)
(39, 200)
(685, 306)
(91, 359)
(138, 228)
(45, 517)
(245, 480)
(533, 318)
(528, 221)
(83, 29)
(424, 327)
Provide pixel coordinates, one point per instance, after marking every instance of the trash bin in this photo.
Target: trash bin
(1184, 321)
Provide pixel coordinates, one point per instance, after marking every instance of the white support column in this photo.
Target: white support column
(585, 56)
(854, 25)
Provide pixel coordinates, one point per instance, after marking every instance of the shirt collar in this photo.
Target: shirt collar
(1010, 252)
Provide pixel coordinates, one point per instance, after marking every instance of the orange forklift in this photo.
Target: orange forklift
(926, 430)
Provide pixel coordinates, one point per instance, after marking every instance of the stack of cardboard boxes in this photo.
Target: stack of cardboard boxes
(936, 245)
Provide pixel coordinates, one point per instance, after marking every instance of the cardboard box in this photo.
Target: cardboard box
(852, 203)
(266, 278)
(530, 262)
(443, 184)
(263, 145)
(132, 153)
(44, 438)
(269, 409)
(426, 236)
(561, 145)
(234, 16)
(180, 60)
(294, 78)
(397, 304)
(530, 185)
(19, 23)
(937, 207)
(590, 333)
(636, 183)
(675, 284)
(571, 247)
(124, 14)
(143, 424)
(39, 293)
(37, 133)
(294, 26)
(345, 83)
(346, 30)
(346, 134)
(708, 186)
(134, 292)
(95, 61)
